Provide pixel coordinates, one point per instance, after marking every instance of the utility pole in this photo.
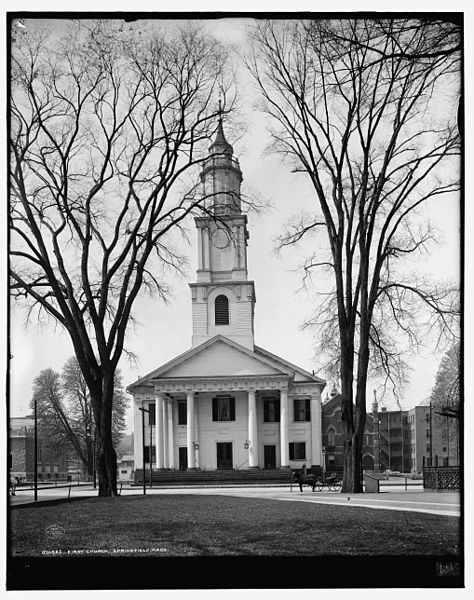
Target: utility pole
(431, 433)
(145, 410)
(35, 451)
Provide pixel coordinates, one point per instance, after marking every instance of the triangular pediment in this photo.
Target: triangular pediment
(218, 357)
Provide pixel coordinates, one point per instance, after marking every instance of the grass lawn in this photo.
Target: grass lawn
(224, 526)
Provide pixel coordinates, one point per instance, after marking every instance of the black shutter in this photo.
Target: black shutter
(232, 408)
(292, 451)
(308, 409)
(277, 410)
(214, 408)
(266, 416)
(295, 410)
(151, 416)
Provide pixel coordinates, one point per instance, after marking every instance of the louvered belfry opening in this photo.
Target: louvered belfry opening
(222, 310)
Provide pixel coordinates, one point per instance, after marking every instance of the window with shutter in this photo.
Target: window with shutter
(302, 409)
(147, 454)
(221, 306)
(271, 410)
(223, 408)
(297, 450)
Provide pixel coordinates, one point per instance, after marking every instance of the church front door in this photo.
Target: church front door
(269, 457)
(224, 455)
(183, 458)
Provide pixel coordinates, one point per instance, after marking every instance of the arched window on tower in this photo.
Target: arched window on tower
(221, 306)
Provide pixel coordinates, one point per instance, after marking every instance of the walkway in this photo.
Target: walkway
(437, 503)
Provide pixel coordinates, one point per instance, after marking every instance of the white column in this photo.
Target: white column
(196, 435)
(170, 434)
(253, 430)
(284, 428)
(316, 445)
(137, 436)
(190, 428)
(159, 430)
(166, 463)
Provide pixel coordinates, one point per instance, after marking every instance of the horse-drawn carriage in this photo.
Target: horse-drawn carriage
(332, 483)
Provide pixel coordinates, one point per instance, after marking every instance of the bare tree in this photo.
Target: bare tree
(446, 393)
(372, 130)
(65, 414)
(106, 122)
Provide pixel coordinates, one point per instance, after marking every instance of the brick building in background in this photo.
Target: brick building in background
(395, 440)
(53, 463)
(22, 446)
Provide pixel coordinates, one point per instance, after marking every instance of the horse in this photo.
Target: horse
(302, 478)
(14, 481)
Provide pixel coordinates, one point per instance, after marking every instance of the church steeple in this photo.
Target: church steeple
(223, 297)
(220, 144)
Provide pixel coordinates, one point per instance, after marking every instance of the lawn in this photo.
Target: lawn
(224, 526)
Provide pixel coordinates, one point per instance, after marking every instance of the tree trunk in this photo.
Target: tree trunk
(349, 455)
(106, 457)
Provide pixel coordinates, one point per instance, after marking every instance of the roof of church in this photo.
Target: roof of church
(220, 144)
(266, 363)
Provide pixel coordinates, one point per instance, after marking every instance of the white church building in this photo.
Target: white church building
(226, 403)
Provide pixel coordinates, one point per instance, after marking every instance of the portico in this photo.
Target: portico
(166, 398)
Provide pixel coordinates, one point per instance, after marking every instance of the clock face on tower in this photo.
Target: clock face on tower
(220, 238)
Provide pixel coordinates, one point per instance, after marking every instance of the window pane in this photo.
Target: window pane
(297, 450)
(223, 408)
(271, 410)
(302, 409)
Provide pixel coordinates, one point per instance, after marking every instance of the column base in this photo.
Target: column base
(257, 468)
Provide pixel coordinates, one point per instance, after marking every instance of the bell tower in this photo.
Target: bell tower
(223, 298)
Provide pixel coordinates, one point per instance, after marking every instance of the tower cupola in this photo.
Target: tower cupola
(223, 297)
(220, 145)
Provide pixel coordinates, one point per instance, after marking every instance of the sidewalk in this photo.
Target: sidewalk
(441, 503)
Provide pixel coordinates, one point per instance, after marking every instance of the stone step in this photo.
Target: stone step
(257, 476)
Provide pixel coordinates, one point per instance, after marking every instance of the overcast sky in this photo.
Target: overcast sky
(165, 330)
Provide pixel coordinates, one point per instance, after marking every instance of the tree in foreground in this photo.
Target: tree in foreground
(445, 397)
(65, 415)
(106, 122)
(368, 113)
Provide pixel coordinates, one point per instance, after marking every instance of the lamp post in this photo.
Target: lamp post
(431, 433)
(145, 410)
(35, 451)
(91, 441)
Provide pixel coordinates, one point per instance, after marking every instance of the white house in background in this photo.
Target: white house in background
(226, 403)
(125, 468)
